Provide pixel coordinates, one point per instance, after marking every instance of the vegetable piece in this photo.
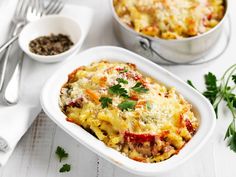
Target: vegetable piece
(118, 90)
(102, 81)
(139, 88)
(134, 96)
(138, 138)
(121, 80)
(70, 120)
(105, 101)
(72, 76)
(77, 103)
(140, 104)
(65, 168)
(94, 96)
(122, 70)
(189, 126)
(126, 105)
(61, 153)
(148, 106)
(139, 159)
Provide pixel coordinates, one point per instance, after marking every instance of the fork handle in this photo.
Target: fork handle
(7, 46)
(14, 37)
(12, 90)
(5, 88)
(9, 42)
(4, 67)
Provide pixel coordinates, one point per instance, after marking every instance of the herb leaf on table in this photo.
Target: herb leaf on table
(212, 89)
(65, 168)
(61, 153)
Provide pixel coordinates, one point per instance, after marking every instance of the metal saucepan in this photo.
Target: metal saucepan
(177, 51)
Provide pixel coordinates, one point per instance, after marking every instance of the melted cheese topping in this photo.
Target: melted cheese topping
(170, 19)
(154, 123)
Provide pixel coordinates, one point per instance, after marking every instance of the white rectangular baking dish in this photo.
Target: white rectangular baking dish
(202, 108)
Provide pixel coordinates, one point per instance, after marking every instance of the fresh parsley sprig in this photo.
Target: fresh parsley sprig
(118, 90)
(223, 90)
(65, 168)
(121, 80)
(139, 88)
(126, 105)
(61, 153)
(105, 101)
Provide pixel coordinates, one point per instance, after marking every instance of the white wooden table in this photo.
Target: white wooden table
(34, 155)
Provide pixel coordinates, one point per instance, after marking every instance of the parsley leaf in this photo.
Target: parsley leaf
(234, 78)
(232, 99)
(105, 101)
(65, 168)
(148, 105)
(212, 89)
(232, 142)
(125, 105)
(118, 90)
(231, 135)
(61, 153)
(191, 84)
(121, 80)
(125, 70)
(139, 88)
(230, 130)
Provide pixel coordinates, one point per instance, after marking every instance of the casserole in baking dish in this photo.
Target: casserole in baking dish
(128, 111)
(202, 109)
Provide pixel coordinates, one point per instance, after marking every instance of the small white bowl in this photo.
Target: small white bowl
(45, 26)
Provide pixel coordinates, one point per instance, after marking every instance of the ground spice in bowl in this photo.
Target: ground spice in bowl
(50, 45)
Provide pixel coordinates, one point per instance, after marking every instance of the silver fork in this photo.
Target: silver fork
(17, 22)
(54, 4)
(26, 10)
(11, 92)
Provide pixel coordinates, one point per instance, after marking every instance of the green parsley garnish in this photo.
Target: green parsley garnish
(148, 105)
(105, 101)
(223, 90)
(65, 168)
(121, 80)
(234, 78)
(139, 88)
(125, 105)
(61, 153)
(211, 86)
(118, 90)
(191, 84)
(125, 70)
